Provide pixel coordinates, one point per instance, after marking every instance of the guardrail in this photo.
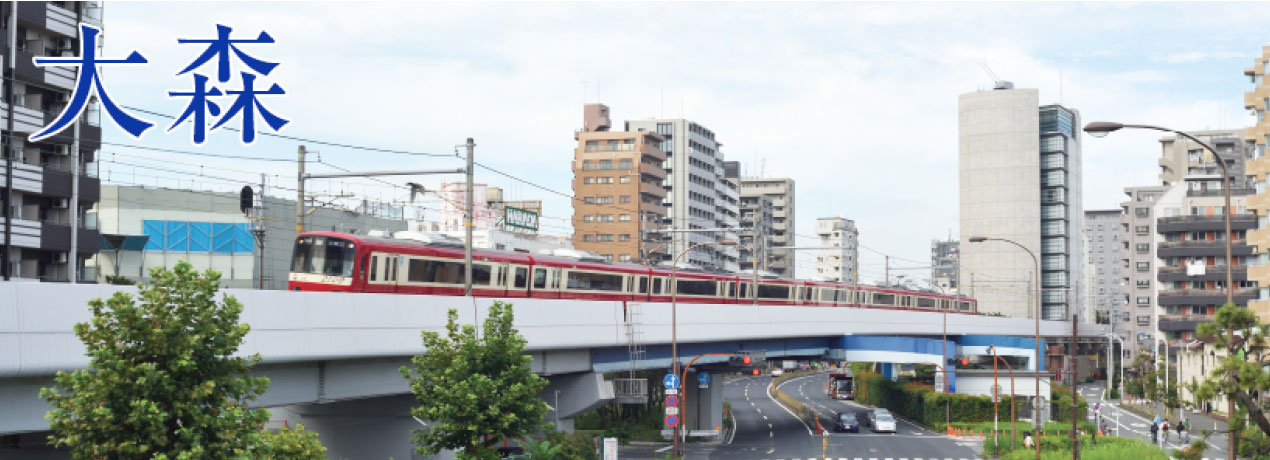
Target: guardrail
(800, 410)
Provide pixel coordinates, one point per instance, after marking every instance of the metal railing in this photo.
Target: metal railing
(1213, 218)
(1201, 243)
(1205, 292)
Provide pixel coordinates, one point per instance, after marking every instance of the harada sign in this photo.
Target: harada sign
(520, 218)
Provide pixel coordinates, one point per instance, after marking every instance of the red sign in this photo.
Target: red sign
(672, 401)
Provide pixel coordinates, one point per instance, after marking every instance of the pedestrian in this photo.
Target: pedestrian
(1093, 436)
(1103, 427)
(1179, 430)
(1155, 430)
(1027, 440)
(1165, 430)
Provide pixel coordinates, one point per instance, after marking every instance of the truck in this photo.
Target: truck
(841, 386)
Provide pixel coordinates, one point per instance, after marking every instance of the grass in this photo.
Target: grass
(1108, 448)
(1055, 432)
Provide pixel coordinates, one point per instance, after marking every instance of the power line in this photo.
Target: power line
(309, 140)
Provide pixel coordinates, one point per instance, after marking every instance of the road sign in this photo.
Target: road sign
(672, 391)
(703, 379)
(672, 401)
(672, 420)
(610, 448)
(670, 381)
(672, 411)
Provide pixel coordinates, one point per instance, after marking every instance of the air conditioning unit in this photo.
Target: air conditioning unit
(61, 203)
(63, 97)
(60, 258)
(62, 149)
(64, 44)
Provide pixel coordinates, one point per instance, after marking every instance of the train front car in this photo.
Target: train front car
(324, 261)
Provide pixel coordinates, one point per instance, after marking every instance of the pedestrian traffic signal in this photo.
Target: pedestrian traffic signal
(754, 371)
(745, 360)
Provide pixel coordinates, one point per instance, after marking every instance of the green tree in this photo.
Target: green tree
(162, 381)
(1237, 332)
(542, 450)
(290, 444)
(475, 391)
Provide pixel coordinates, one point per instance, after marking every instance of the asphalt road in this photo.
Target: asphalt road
(768, 431)
(908, 442)
(1127, 424)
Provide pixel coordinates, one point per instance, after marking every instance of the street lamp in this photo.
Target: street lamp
(1102, 128)
(1036, 415)
(674, 324)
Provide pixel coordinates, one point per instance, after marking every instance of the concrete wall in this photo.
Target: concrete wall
(999, 149)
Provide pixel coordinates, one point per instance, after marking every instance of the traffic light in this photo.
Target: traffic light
(748, 362)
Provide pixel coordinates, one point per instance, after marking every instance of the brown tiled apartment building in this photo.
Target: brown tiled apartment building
(617, 189)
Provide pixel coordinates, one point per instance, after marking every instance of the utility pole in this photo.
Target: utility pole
(9, 151)
(1075, 415)
(299, 194)
(260, 233)
(467, 226)
(888, 272)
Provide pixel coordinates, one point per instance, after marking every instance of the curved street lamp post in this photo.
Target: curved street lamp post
(1102, 128)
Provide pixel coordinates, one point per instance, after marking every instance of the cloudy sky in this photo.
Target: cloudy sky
(854, 101)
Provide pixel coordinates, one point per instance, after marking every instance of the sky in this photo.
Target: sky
(857, 102)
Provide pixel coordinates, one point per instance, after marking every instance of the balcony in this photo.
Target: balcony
(1204, 296)
(656, 190)
(1173, 323)
(1202, 248)
(1219, 192)
(1205, 223)
(1211, 273)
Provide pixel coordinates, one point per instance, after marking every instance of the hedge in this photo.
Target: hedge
(923, 405)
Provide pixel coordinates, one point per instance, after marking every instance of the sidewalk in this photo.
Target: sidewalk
(1124, 423)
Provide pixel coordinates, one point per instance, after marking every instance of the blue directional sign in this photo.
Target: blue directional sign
(703, 378)
(670, 381)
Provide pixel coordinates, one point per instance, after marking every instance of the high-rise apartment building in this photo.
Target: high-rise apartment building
(1257, 137)
(1020, 176)
(943, 264)
(617, 187)
(838, 259)
(1138, 265)
(1104, 300)
(781, 191)
(48, 186)
(698, 193)
(756, 219)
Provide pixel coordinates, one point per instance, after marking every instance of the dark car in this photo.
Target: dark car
(848, 422)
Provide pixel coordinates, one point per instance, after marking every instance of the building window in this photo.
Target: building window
(588, 238)
(1144, 300)
(1144, 320)
(625, 179)
(1142, 212)
(624, 237)
(1142, 229)
(626, 258)
(588, 180)
(625, 199)
(624, 218)
(1143, 248)
(624, 163)
(588, 218)
(1144, 284)
(1144, 266)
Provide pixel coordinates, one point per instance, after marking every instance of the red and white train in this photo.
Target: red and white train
(339, 262)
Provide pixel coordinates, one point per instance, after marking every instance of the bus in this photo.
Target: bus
(841, 386)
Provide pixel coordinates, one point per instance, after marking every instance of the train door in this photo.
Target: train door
(519, 281)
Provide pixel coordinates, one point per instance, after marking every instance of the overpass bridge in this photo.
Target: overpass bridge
(329, 355)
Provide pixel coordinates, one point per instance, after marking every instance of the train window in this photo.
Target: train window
(695, 287)
(394, 263)
(744, 290)
(923, 302)
(769, 291)
(826, 295)
(731, 289)
(540, 278)
(883, 299)
(841, 296)
(591, 281)
(436, 271)
(965, 306)
(520, 279)
(656, 285)
(374, 268)
(643, 284)
(555, 279)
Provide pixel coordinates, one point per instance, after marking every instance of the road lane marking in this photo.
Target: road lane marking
(663, 449)
(764, 417)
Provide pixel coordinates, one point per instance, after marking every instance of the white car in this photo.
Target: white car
(881, 421)
(777, 372)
